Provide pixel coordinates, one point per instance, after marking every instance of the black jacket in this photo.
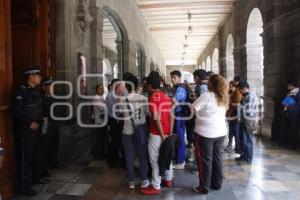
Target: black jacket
(167, 153)
(27, 106)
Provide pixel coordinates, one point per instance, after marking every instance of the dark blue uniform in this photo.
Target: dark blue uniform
(52, 134)
(27, 108)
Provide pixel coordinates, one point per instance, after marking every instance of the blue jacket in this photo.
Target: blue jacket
(181, 97)
(294, 110)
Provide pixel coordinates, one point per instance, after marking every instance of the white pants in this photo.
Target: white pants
(155, 142)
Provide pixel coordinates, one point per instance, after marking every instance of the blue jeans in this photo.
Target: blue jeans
(246, 142)
(179, 129)
(234, 127)
(131, 151)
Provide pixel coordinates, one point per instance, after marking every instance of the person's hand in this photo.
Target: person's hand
(164, 137)
(34, 126)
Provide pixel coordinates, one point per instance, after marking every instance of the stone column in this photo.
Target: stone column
(275, 61)
(240, 55)
(126, 55)
(120, 58)
(96, 39)
(96, 43)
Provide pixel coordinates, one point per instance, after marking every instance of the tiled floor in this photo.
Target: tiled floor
(274, 174)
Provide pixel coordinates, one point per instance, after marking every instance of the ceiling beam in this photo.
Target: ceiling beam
(185, 4)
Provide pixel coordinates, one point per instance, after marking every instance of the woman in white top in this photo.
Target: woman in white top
(210, 131)
(99, 112)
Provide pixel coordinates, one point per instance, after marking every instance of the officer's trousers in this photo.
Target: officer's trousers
(27, 139)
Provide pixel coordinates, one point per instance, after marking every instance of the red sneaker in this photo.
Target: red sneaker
(150, 191)
(167, 184)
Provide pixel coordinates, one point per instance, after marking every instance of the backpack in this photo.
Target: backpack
(190, 99)
(251, 122)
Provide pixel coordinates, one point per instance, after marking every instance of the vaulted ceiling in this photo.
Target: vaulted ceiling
(168, 21)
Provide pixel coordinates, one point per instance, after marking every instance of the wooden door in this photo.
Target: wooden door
(5, 93)
(26, 39)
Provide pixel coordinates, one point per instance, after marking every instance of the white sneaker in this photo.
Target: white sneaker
(179, 166)
(192, 158)
(131, 185)
(145, 184)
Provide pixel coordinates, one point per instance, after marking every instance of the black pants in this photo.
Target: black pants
(53, 135)
(210, 164)
(100, 143)
(26, 141)
(289, 130)
(190, 126)
(115, 133)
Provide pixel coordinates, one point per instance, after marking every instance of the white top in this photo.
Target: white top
(99, 109)
(210, 119)
(139, 106)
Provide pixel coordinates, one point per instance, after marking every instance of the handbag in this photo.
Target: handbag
(140, 132)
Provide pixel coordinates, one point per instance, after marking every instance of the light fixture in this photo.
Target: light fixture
(190, 28)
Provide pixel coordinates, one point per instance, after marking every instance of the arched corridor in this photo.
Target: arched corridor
(255, 52)
(229, 58)
(149, 99)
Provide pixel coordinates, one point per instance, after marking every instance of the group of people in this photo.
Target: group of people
(151, 121)
(36, 131)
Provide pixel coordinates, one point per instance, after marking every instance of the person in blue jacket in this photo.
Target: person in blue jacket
(289, 136)
(180, 96)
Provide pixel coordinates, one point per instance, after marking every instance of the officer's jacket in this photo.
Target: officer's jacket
(27, 105)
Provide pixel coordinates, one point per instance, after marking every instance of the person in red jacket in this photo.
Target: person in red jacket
(161, 124)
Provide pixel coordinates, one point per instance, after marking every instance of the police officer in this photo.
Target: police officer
(50, 129)
(27, 111)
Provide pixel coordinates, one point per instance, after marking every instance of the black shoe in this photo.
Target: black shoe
(42, 181)
(45, 174)
(249, 162)
(28, 192)
(58, 166)
(197, 190)
(216, 187)
(241, 158)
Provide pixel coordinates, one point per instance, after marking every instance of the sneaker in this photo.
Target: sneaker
(150, 191)
(192, 157)
(196, 172)
(131, 185)
(228, 149)
(179, 166)
(197, 190)
(145, 184)
(167, 184)
(241, 158)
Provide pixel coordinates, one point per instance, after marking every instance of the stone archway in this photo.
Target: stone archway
(107, 72)
(140, 59)
(115, 34)
(255, 53)
(215, 62)
(208, 64)
(203, 65)
(229, 58)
